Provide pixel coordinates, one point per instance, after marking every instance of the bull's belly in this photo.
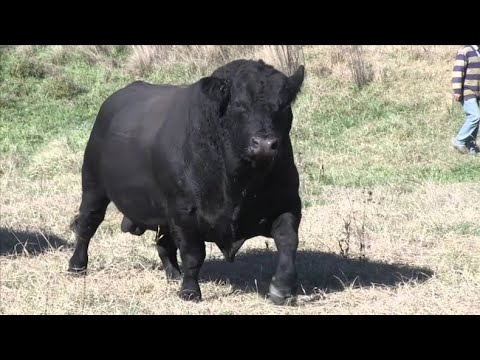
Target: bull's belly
(139, 204)
(126, 176)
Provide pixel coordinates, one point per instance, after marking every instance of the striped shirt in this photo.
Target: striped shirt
(466, 72)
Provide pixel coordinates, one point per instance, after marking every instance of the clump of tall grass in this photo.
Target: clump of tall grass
(203, 59)
(361, 69)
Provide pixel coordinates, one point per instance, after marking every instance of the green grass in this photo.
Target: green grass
(37, 110)
(37, 107)
(347, 137)
(463, 228)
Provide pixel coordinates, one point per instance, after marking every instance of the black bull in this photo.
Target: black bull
(210, 161)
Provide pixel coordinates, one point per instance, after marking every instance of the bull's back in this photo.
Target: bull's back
(123, 109)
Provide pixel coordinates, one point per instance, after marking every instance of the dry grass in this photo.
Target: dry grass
(106, 55)
(203, 59)
(411, 250)
(380, 58)
(200, 59)
(361, 70)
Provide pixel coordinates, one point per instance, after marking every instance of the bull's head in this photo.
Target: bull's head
(255, 106)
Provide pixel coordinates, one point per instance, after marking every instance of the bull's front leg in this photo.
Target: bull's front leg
(283, 288)
(192, 253)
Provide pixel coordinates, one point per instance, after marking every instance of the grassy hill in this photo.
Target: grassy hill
(391, 211)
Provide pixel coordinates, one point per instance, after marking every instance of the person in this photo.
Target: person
(466, 90)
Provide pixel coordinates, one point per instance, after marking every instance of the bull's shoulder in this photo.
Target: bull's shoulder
(283, 181)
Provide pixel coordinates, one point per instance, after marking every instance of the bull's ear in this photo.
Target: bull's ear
(294, 84)
(296, 80)
(215, 89)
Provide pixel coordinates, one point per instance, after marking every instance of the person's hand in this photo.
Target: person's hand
(457, 97)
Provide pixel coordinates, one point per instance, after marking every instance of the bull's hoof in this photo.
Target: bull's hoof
(77, 270)
(173, 274)
(77, 266)
(190, 295)
(280, 297)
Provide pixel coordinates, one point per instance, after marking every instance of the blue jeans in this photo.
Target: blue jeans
(468, 132)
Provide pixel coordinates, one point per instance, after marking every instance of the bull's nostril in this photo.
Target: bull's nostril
(274, 145)
(263, 146)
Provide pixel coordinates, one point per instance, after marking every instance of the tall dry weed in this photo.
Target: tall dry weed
(203, 59)
(361, 69)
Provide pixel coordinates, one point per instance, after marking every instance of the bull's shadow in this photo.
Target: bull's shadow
(19, 242)
(252, 272)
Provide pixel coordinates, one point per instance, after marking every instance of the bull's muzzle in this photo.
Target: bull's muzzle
(263, 148)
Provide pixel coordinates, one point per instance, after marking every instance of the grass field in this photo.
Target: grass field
(391, 213)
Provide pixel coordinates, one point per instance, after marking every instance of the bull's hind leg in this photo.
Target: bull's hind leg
(84, 225)
(167, 251)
